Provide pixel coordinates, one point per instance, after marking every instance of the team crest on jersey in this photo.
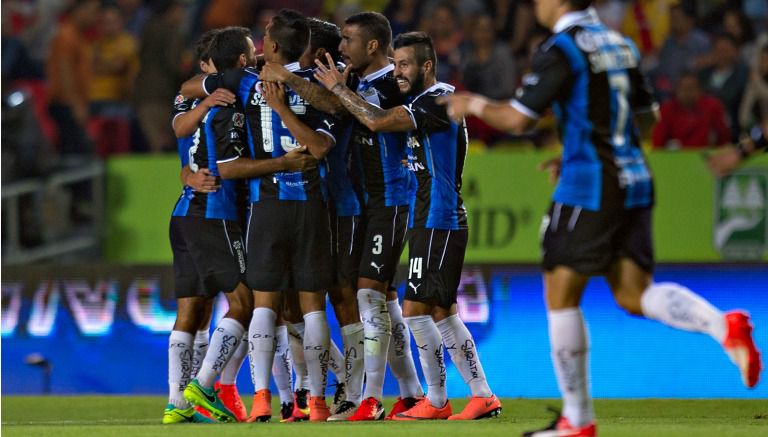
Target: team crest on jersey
(585, 41)
(238, 119)
(179, 100)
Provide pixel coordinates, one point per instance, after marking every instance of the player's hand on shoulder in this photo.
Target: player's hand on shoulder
(274, 95)
(298, 160)
(202, 181)
(272, 72)
(220, 97)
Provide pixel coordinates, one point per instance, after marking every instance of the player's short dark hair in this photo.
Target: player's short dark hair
(578, 5)
(227, 46)
(203, 45)
(290, 30)
(324, 35)
(373, 25)
(422, 46)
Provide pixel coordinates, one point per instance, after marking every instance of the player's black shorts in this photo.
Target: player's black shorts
(208, 256)
(383, 242)
(589, 242)
(347, 233)
(435, 260)
(289, 246)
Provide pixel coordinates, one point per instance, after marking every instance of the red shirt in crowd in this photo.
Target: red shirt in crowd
(702, 125)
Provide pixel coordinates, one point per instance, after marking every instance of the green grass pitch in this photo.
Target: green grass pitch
(134, 416)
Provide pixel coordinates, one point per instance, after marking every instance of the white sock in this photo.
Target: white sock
(296, 342)
(316, 343)
(353, 337)
(281, 365)
(336, 362)
(378, 330)
(430, 345)
(261, 334)
(678, 307)
(399, 354)
(224, 342)
(179, 367)
(570, 357)
(229, 374)
(461, 347)
(200, 348)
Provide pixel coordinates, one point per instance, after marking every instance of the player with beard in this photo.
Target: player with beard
(438, 239)
(599, 222)
(365, 43)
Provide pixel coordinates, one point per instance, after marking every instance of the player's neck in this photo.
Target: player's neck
(379, 62)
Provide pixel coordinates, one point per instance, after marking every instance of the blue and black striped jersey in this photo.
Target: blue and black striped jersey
(269, 138)
(385, 180)
(344, 174)
(437, 151)
(219, 138)
(591, 76)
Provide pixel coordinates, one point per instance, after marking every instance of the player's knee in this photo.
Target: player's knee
(630, 302)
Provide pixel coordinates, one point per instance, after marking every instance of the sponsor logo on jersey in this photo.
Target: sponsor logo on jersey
(238, 119)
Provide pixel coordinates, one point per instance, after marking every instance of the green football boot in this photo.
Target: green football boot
(173, 415)
(208, 399)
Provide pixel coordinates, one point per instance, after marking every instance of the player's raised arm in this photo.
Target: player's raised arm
(500, 115)
(317, 96)
(396, 119)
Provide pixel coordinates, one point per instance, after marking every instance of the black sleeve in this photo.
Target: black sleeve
(642, 93)
(229, 128)
(229, 79)
(549, 78)
(320, 121)
(428, 115)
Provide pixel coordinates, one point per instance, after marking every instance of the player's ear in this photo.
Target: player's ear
(372, 46)
(242, 61)
(428, 67)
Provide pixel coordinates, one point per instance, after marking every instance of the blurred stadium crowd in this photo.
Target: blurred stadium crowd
(100, 76)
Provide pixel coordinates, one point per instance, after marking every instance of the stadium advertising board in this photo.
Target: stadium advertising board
(505, 194)
(104, 329)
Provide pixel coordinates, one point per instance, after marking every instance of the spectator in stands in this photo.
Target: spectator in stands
(135, 15)
(403, 16)
(115, 66)
(647, 23)
(737, 24)
(754, 105)
(680, 50)
(160, 73)
(69, 71)
(726, 78)
(444, 27)
(489, 68)
(513, 22)
(691, 119)
(223, 13)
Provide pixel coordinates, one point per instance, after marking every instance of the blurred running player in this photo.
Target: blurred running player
(599, 222)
